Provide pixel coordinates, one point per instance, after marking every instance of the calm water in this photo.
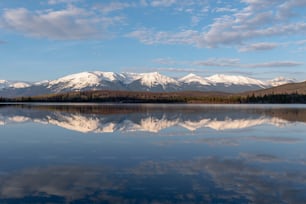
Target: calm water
(152, 154)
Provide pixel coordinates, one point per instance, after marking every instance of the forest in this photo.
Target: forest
(162, 97)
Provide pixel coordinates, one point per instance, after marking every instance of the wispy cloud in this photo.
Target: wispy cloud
(258, 47)
(218, 62)
(162, 3)
(274, 64)
(112, 6)
(237, 63)
(177, 70)
(53, 2)
(71, 23)
(301, 42)
(225, 9)
(287, 8)
(221, 33)
(164, 61)
(258, 19)
(228, 62)
(149, 37)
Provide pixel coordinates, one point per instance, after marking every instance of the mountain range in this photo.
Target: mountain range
(151, 82)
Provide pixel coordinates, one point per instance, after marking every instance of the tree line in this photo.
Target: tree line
(163, 97)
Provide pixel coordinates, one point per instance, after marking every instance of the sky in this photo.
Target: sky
(47, 39)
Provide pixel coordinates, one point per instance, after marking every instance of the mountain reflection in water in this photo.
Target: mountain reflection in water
(246, 154)
(149, 118)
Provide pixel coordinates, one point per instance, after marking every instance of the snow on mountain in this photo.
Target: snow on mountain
(280, 81)
(3, 84)
(18, 85)
(154, 78)
(41, 82)
(192, 78)
(150, 79)
(129, 77)
(235, 80)
(221, 83)
(13, 84)
(84, 80)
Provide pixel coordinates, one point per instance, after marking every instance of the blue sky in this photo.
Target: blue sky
(47, 39)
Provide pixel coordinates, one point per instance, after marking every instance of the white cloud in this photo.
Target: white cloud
(286, 9)
(162, 3)
(258, 47)
(71, 23)
(195, 20)
(273, 64)
(227, 62)
(143, 3)
(177, 70)
(225, 9)
(301, 42)
(112, 6)
(218, 62)
(259, 19)
(236, 63)
(165, 61)
(53, 2)
(147, 36)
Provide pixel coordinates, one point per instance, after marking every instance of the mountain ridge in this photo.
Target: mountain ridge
(291, 88)
(126, 81)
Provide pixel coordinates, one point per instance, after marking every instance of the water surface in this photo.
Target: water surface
(78, 153)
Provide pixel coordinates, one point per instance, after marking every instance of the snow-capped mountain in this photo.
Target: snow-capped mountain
(153, 81)
(3, 84)
(192, 78)
(280, 81)
(223, 83)
(13, 84)
(86, 81)
(235, 80)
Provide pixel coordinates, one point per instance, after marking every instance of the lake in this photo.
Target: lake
(114, 153)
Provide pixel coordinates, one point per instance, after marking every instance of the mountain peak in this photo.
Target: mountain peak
(76, 81)
(3, 84)
(152, 79)
(12, 84)
(18, 85)
(83, 80)
(280, 81)
(191, 75)
(192, 78)
(235, 80)
(108, 76)
(3, 81)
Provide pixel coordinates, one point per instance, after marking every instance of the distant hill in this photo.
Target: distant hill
(291, 88)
